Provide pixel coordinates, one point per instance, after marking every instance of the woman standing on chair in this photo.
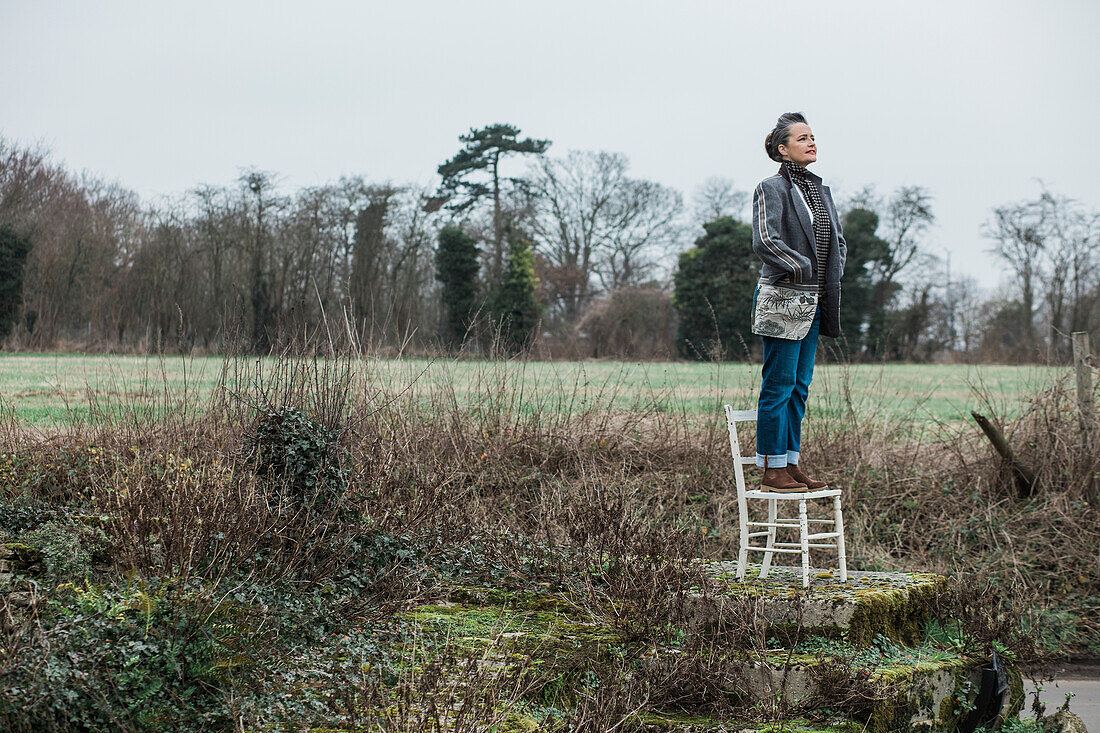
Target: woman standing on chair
(796, 232)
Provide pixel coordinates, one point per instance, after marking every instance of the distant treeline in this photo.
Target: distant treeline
(570, 258)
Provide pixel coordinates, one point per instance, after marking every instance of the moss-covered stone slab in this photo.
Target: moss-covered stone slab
(553, 650)
(21, 558)
(927, 696)
(894, 605)
(907, 699)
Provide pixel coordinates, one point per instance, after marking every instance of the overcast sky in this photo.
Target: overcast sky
(974, 100)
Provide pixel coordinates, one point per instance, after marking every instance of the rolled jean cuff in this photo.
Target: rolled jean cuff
(779, 461)
(792, 457)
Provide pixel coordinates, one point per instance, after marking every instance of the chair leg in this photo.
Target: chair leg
(743, 554)
(838, 527)
(742, 530)
(765, 566)
(803, 538)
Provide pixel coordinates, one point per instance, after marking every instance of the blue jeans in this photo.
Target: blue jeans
(784, 384)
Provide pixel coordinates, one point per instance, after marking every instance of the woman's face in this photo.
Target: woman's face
(800, 148)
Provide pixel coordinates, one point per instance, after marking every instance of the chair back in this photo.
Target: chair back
(739, 461)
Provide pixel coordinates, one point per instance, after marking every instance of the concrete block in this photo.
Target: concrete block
(895, 605)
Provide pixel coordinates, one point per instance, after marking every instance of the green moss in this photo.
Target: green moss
(893, 605)
(807, 727)
(484, 621)
(94, 520)
(525, 600)
(661, 721)
(516, 723)
(899, 614)
(1016, 694)
(22, 549)
(22, 557)
(950, 710)
(552, 650)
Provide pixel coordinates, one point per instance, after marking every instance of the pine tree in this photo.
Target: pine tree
(464, 183)
(862, 326)
(14, 249)
(456, 268)
(713, 284)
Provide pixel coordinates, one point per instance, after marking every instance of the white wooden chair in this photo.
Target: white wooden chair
(806, 540)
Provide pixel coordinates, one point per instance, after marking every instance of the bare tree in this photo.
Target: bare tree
(575, 196)
(392, 277)
(645, 225)
(218, 226)
(593, 222)
(27, 183)
(908, 216)
(372, 259)
(343, 202)
(1019, 234)
(412, 275)
(105, 266)
(71, 257)
(264, 199)
(717, 197)
(1070, 267)
(866, 198)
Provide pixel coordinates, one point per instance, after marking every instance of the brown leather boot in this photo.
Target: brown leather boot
(777, 479)
(796, 473)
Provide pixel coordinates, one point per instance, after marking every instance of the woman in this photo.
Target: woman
(796, 232)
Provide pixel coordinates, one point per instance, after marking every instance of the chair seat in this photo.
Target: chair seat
(819, 494)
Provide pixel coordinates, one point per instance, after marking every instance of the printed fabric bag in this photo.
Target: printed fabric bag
(784, 311)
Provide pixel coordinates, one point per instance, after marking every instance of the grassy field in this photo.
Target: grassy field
(58, 389)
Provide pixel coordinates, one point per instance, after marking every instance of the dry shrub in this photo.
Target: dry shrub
(196, 492)
(631, 323)
(1060, 445)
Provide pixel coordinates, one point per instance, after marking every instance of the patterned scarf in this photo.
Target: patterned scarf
(823, 228)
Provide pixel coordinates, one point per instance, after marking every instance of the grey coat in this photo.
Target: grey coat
(783, 237)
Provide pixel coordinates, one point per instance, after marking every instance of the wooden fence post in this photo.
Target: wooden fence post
(1025, 478)
(1082, 362)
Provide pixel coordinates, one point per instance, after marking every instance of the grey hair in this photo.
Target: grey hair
(781, 134)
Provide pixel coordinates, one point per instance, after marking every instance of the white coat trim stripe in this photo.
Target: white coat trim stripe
(763, 215)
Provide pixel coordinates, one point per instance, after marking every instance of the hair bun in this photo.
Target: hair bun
(768, 147)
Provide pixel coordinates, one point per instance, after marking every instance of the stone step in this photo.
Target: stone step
(891, 687)
(914, 695)
(933, 695)
(894, 605)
